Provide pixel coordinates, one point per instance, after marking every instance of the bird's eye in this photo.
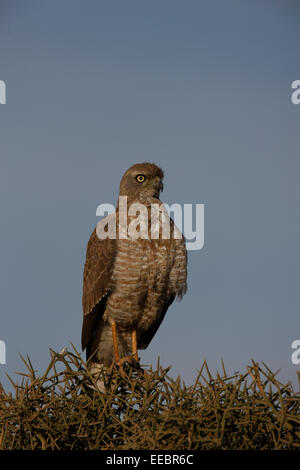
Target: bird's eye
(140, 178)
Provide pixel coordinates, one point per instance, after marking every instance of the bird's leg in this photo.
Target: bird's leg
(134, 344)
(133, 358)
(115, 341)
(120, 361)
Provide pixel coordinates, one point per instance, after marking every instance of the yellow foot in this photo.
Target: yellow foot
(130, 359)
(120, 363)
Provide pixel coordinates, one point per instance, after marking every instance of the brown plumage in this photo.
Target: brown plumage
(130, 283)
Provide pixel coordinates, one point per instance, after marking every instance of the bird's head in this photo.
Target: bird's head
(142, 181)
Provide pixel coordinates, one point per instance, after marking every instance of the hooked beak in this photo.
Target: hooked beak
(157, 185)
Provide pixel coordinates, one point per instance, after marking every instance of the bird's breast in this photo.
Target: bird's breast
(140, 278)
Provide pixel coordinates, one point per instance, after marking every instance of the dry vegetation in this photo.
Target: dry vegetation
(148, 411)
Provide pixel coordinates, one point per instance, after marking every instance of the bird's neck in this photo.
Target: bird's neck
(145, 199)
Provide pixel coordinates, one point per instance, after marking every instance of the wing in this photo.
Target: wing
(97, 281)
(177, 286)
(146, 336)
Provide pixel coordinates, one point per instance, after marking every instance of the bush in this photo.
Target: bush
(58, 410)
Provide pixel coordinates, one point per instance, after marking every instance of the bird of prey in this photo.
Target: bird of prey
(130, 282)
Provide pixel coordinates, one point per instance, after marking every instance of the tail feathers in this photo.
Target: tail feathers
(98, 372)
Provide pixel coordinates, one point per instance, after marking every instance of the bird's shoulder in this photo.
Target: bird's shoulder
(98, 269)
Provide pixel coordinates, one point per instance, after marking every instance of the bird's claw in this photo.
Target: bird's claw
(120, 363)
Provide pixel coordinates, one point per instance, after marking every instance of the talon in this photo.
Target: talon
(130, 359)
(119, 364)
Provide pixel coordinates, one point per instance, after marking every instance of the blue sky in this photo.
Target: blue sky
(201, 88)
